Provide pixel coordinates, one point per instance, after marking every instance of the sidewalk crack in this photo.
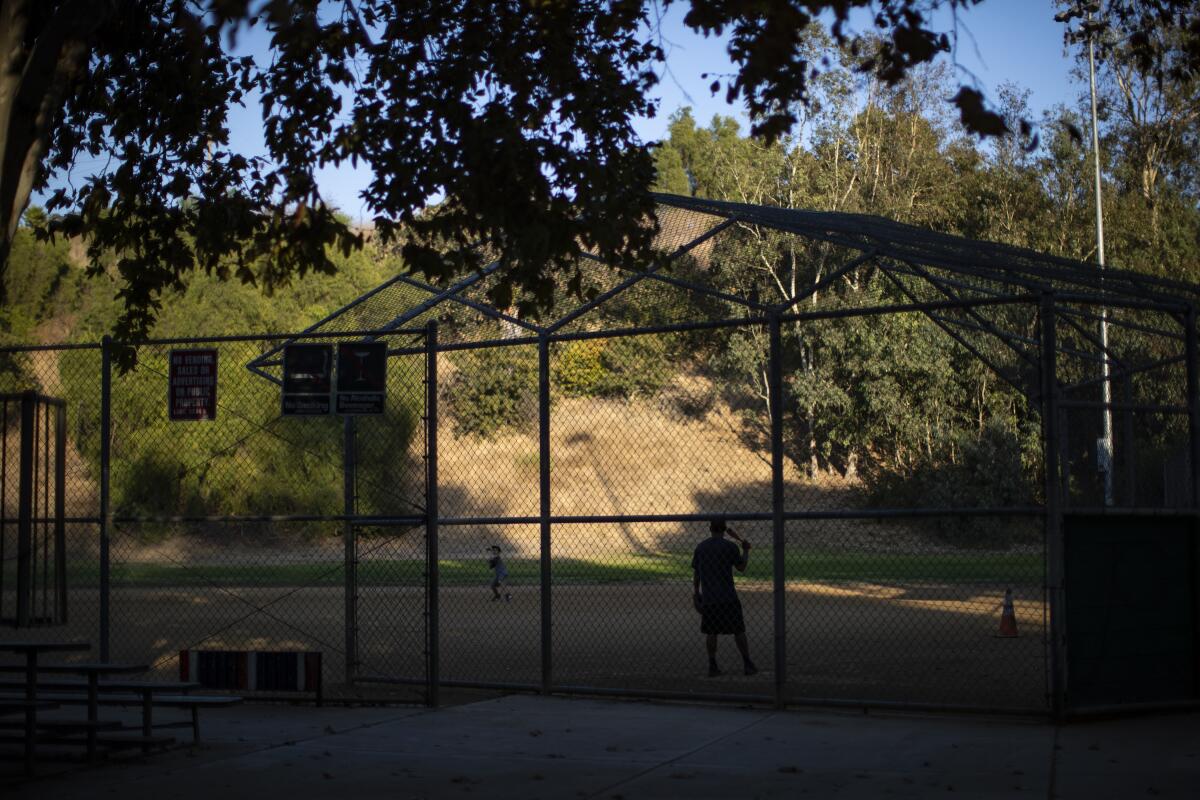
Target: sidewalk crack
(1052, 778)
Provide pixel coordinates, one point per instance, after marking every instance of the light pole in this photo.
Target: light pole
(1104, 445)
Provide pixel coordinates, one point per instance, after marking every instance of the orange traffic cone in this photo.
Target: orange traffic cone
(1008, 618)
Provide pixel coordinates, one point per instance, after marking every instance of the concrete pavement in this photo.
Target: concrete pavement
(535, 747)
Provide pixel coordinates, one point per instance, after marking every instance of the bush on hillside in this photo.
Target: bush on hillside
(249, 461)
(994, 468)
(625, 367)
(493, 390)
(578, 370)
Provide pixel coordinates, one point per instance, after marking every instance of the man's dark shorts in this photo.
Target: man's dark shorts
(717, 618)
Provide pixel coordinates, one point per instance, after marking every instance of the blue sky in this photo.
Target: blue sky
(999, 41)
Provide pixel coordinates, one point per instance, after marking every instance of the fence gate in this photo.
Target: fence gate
(33, 581)
(391, 539)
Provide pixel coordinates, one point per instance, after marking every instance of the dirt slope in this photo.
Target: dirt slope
(611, 457)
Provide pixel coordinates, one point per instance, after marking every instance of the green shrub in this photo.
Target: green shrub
(14, 371)
(636, 366)
(493, 390)
(579, 368)
(992, 469)
(249, 461)
(151, 480)
(627, 366)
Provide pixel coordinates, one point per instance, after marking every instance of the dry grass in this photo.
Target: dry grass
(612, 457)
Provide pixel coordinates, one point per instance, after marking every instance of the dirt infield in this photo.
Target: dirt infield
(846, 641)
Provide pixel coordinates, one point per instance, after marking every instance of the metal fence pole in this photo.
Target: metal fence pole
(433, 663)
(60, 504)
(26, 572)
(105, 469)
(1055, 566)
(778, 542)
(350, 555)
(1129, 446)
(544, 509)
(1192, 358)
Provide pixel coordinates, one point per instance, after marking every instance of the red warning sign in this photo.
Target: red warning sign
(192, 384)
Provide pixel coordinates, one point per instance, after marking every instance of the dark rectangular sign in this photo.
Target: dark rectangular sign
(361, 377)
(192, 385)
(308, 369)
(307, 379)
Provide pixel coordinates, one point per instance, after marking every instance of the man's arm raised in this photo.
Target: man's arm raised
(740, 564)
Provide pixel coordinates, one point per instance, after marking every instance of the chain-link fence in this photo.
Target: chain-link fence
(899, 445)
(256, 531)
(876, 589)
(46, 371)
(32, 498)
(248, 531)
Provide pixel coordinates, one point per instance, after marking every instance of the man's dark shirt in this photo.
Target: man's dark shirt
(713, 561)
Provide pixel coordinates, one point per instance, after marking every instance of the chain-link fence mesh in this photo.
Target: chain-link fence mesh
(487, 432)
(877, 437)
(490, 612)
(32, 510)
(47, 371)
(230, 533)
(882, 609)
(225, 586)
(391, 615)
(623, 617)
(1127, 447)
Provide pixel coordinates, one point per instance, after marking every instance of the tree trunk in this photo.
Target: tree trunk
(37, 68)
(814, 465)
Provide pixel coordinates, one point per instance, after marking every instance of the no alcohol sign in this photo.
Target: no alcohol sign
(361, 377)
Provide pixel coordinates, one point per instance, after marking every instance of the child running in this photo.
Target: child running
(500, 578)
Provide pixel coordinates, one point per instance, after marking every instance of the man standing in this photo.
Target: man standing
(715, 598)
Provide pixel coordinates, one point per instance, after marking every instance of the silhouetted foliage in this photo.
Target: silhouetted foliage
(516, 115)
